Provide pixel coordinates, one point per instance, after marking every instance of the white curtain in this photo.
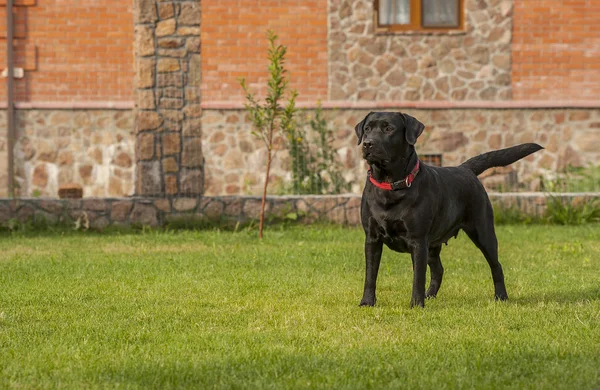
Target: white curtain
(440, 13)
(394, 12)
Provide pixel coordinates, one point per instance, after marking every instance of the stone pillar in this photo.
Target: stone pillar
(167, 95)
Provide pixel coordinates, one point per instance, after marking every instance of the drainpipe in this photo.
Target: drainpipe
(10, 109)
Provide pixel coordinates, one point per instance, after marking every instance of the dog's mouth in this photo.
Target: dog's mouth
(373, 159)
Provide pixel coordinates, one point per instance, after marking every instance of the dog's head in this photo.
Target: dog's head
(387, 137)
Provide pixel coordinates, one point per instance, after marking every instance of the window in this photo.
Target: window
(419, 15)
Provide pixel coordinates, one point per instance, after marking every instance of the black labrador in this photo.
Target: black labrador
(415, 208)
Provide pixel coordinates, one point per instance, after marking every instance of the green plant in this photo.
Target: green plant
(299, 151)
(303, 178)
(15, 225)
(574, 179)
(566, 212)
(314, 170)
(267, 118)
(512, 216)
(334, 183)
(558, 212)
(37, 224)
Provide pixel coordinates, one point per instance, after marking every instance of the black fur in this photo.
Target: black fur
(440, 202)
(499, 158)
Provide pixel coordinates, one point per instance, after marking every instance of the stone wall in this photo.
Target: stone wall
(100, 213)
(344, 209)
(96, 148)
(91, 148)
(470, 65)
(235, 160)
(167, 83)
(3, 155)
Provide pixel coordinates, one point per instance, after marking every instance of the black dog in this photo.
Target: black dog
(415, 208)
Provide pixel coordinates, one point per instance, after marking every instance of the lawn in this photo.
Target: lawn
(214, 309)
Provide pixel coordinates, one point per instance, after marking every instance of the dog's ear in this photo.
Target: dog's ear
(413, 128)
(359, 129)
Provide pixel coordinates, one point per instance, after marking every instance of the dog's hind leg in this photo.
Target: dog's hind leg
(482, 233)
(437, 271)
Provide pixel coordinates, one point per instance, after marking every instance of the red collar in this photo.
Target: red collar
(397, 185)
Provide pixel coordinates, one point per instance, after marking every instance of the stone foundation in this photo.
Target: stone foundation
(96, 148)
(342, 209)
(91, 148)
(3, 155)
(235, 159)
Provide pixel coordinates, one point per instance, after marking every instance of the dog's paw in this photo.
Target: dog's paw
(367, 302)
(431, 293)
(417, 303)
(501, 297)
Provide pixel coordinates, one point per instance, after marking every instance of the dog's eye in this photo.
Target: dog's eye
(389, 129)
(367, 129)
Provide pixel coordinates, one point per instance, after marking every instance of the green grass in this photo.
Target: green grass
(221, 310)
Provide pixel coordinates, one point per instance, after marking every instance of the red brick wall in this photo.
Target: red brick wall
(556, 50)
(234, 45)
(84, 51)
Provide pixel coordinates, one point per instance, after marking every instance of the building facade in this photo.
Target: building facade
(144, 98)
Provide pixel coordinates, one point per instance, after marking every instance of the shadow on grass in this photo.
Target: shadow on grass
(470, 300)
(573, 296)
(68, 232)
(54, 231)
(255, 370)
(360, 367)
(183, 225)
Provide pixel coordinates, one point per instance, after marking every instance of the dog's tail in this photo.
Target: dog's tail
(500, 158)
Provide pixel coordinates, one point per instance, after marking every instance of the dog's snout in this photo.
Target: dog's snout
(367, 144)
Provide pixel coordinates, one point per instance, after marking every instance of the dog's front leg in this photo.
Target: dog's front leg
(373, 249)
(419, 260)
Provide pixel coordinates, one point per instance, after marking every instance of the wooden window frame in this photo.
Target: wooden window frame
(416, 21)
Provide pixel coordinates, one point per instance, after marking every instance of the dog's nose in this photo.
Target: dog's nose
(367, 144)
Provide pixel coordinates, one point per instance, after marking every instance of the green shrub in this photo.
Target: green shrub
(315, 170)
(574, 179)
(512, 216)
(563, 212)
